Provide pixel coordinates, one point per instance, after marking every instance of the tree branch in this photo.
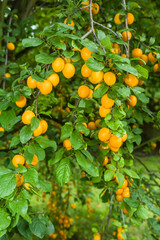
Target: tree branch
(126, 25)
(146, 142)
(109, 215)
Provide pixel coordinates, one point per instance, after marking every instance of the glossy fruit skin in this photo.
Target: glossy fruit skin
(124, 138)
(83, 91)
(7, 75)
(115, 141)
(19, 179)
(106, 101)
(35, 160)
(124, 36)
(67, 144)
(113, 149)
(21, 102)
(95, 8)
(85, 53)
(109, 78)
(126, 194)
(11, 46)
(137, 52)
(119, 236)
(131, 80)
(54, 79)
(96, 77)
(125, 211)
(116, 19)
(44, 125)
(92, 125)
(46, 87)
(68, 70)
(151, 57)
(119, 197)
(69, 24)
(31, 83)
(130, 18)
(27, 186)
(90, 93)
(145, 58)
(104, 134)
(38, 131)
(156, 67)
(85, 71)
(106, 160)
(132, 101)
(18, 159)
(97, 122)
(27, 116)
(1, 129)
(104, 111)
(97, 237)
(119, 191)
(58, 64)
(125, 183)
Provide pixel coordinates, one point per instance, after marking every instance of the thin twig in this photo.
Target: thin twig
(139, 160)
(109, 29)
(85, 35)
(92, 28)
(36, 103)
(123, 218)
(126, 25)
(146, 142)
(109, 215)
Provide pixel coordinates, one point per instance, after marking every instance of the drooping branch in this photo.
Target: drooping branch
(148, 141)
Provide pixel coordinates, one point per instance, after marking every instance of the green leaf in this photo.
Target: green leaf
(31, 42)
(5, 219)
(63, 171)
(120, 179)
(82, 129)
(131, 173)
(99, 92)
(37, 150)
(66, 131)
(50, 228)
(76, 140)
(45, 142)
(128, 68)
(106, 42)
(23, 228)
(25, 134)
(7, 184)
(143, 98)
(19, 205)
(44, 58)
(37, 78)
(133, 203)
(34, 123)
(90, 45)
(86, 165)
(118, 58)
(129, 146)
(38, 227)
(94, 65)
(58, 156)
(101, 35)
(143, 71)
(151, 206)
(142, 212)
(31, 176)
(124, 91)
(108, 175)
(45, 186)
(15, 141)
